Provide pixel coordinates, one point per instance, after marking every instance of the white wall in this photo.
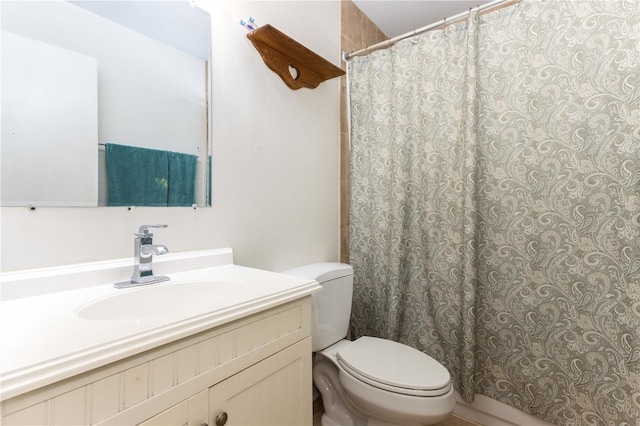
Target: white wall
(275, 165)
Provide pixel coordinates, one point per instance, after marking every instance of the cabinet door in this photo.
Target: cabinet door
(276, 391)
(192, 412)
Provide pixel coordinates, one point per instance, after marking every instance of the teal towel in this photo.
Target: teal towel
(136, 176)
(182, 179)
(149, 177)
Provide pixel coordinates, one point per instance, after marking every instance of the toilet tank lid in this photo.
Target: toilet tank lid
(321, 272)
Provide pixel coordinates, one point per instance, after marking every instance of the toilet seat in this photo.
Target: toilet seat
(394, 367)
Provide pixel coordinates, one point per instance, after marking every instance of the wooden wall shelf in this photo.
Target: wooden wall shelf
(295, 64)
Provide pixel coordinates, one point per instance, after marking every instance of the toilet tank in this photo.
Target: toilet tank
(331, 306)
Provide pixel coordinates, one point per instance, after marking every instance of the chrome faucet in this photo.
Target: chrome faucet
(143, 251)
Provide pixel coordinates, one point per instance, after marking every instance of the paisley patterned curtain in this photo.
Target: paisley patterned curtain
(495, 205)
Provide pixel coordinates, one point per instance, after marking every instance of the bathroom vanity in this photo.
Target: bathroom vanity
(244, 359)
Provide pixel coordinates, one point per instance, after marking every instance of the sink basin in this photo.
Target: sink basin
(161, 299)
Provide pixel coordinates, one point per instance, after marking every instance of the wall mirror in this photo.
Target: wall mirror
(85, 81)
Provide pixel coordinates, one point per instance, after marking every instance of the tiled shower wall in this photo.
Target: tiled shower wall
(357, 31)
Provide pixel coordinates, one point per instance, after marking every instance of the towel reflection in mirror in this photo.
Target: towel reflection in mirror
(149, 177)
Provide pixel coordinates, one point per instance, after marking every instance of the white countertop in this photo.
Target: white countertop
(44, 341)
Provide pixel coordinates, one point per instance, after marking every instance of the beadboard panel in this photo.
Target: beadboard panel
(109, 403)
(136, 388)
(186, 413)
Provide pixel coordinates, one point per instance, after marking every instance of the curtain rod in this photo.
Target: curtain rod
(394, 40)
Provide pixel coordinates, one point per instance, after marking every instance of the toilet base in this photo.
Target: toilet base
(376, 422)
(326, 421)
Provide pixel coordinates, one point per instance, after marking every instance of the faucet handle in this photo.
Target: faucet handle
(144, 229)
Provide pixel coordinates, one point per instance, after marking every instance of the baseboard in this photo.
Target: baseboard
(489, 412)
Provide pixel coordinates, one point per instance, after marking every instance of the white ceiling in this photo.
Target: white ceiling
(397, 17)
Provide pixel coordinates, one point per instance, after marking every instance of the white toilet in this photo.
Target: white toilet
(369, 381)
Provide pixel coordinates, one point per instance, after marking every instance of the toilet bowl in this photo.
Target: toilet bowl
(369, 381)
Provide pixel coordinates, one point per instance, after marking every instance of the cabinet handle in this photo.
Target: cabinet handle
(221, 419)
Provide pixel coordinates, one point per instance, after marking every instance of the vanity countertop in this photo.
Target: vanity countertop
(44, 340)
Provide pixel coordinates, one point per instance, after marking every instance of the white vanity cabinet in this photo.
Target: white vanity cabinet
(256, 369)
(272, 392)
(194, 411)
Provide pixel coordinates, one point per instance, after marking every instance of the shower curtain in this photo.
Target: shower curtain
(495, 205)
